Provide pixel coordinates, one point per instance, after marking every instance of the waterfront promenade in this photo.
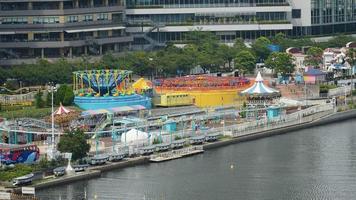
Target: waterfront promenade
(313, 116)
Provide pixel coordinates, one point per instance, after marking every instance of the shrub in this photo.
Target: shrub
(8, 174)
(39, 103)
(156, 141)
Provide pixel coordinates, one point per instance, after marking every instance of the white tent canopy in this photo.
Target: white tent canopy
(259, 87)
(134, 136)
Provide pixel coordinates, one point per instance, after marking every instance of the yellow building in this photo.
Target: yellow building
(173, 99)
(217, 98)
(211, 98)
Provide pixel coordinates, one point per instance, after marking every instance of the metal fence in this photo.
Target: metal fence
(303, 116)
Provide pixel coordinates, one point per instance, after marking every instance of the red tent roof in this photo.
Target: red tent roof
(61, 110)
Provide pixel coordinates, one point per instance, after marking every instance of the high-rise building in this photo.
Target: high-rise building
(157, 21)
(229, 19)
(32, 29)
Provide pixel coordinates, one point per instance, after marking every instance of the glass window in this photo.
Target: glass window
(296, 13)
(88, 18)
(102, 16)
(72, 19)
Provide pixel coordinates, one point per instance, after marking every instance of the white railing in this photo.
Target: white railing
(340, 91)
(303, 116)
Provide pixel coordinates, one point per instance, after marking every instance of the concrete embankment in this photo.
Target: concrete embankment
(96, 171)
(337, 117)
(68, 179)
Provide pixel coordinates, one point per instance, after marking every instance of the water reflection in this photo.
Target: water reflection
(316, 163)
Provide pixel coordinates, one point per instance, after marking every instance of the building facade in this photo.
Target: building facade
(32, 29)
(158, 21)
(228, 19)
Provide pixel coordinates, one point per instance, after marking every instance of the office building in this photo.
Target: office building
(32, 29)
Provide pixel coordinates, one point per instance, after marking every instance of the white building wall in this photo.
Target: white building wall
(147, 11)
(305, 6)
(232, 27)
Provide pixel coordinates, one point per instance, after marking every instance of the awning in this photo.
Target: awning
(113, 110)
(95, 29)
(94, 112)
(7, 33)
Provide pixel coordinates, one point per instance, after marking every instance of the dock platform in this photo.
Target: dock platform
(176, 154)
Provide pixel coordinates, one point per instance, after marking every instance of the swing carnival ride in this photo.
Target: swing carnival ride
(107, 88)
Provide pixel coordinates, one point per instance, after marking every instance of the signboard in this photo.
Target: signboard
(274, 48)
(5, 196)
(67, 155)
(28, 190)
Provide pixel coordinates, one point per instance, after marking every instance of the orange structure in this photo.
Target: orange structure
(205, 90)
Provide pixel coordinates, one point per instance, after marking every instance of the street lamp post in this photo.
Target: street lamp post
(345, 88)
(52, 146)
(52, 116)
(352, 84)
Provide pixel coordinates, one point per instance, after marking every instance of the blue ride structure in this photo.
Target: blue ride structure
(106, 88)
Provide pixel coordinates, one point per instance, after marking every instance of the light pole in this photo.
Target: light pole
(352, 84)
(345, 87)
(52, 148)
(305, 93)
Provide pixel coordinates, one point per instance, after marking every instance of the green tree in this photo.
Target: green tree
(199, 38)
(109, 61)
(245, 62)
(39, 103)
(351, 56)
(260, 47)
(59, 94)
(280, 62)
(74, 142)
(239, 45)
(68, 97)
(314, 56)
(64, 95)
(339, 41)
(49, 99)
(227, 53)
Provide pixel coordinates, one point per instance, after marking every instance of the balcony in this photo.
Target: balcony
(54, 43)
(210, 5)
(58, 27)
(73, 11)
(210, 9)
(203, 22)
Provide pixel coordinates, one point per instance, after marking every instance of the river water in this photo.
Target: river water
(315, 163)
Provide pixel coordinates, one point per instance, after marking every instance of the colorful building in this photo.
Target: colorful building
(314, 76)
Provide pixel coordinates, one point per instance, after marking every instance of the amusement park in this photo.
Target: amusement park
(109, 118)
(122, 118)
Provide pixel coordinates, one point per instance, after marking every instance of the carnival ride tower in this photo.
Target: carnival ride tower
(106, 88)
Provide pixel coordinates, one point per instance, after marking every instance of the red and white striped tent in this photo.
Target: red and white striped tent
(62, 110)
